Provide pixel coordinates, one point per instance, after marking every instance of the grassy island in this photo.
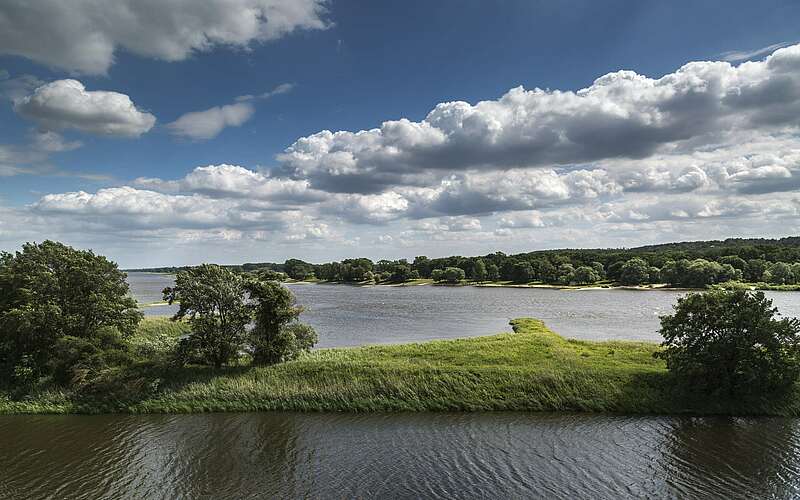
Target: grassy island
(531, 369)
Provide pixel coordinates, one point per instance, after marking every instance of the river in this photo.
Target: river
(425, 455)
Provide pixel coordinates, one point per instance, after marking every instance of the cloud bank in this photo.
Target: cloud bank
(710, 150)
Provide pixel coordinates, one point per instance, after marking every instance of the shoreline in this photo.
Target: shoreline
(531, 369)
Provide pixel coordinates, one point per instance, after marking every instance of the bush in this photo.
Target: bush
(731, 342)
(76, 361)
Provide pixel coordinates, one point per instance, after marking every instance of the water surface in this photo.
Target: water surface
(355, 315)
(426, 455)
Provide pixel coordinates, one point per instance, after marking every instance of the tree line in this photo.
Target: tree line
(690, 264)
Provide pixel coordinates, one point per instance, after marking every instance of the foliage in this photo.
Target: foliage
(731, 342)
(78, 360)
(50, 291)
(276, 336)
(635, 272)
(213, 301)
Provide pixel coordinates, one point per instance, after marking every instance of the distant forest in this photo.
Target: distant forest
(686, 264)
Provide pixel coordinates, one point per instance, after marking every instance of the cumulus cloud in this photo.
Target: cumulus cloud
(207, 124)
(621, 115)
(83, 35)
(66, 104)
(127, 207)
(233, 181)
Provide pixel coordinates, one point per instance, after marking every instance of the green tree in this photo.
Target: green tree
(522, 272)
(779, 273)
(492, 272)
(479, 270)
(298, 269)
(566, 274)
(437, 275)
(50, 291)
(276, 335)
(731, 342)
(755, 270)
(214, 301)
(454, 275)
(585, 275)
(634, 272)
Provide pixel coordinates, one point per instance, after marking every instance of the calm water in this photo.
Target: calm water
(478, 455)
(351, 315)
(426, 455)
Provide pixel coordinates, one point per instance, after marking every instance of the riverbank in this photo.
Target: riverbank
(532, 369)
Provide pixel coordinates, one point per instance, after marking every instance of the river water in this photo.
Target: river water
(426, 455)
(354, 315)
(404, 455)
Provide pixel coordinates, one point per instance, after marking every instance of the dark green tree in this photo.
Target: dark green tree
(479, 270)
(214, 302)
(276, 335)
(51, 291)
(634, 272)
(731, 342)
(454, 275)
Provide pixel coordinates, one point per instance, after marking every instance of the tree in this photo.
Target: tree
(779, 273)
(634, 272)
(437, 275)
(522, 272)
(479, 270)
(585, 275)
(755, 270)
(51, 291)
(492, 272)
(731, 341)
(214, 301)
(298, 269)
(276, 336)
(599, 269)
(566, 274)
(454, 275)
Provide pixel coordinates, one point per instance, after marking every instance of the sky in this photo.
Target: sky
(175, 132)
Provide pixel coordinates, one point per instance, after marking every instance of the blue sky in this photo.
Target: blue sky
(351, 66)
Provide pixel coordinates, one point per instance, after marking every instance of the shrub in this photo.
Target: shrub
(731, 342)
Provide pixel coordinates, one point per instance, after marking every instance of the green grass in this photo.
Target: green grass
(530, 369)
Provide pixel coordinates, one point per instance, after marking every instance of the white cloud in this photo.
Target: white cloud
(232, 181)
(83, 35)
(621, 115)
(283, 88)
(207, 124)
(66, 104)
(712, 150)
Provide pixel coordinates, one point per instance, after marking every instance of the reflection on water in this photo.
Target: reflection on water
(501, 455)
(350, 315)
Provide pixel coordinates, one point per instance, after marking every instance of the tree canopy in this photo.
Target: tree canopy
(731, 342)
(50, 291)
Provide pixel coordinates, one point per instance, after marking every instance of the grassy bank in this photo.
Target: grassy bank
(530, 369)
